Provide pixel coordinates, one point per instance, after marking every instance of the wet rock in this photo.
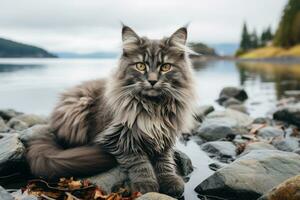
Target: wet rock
(3, 127)
(7, 114)
(11, 150)
(155, 196)
(288, 190)
(109, 180)
(221, 150)
(297, 151)
(232, 92)
(257, 146)
(32, 119)
(183, 163)
(216, 166)
(4, 195)
(202, 111)
(240, 108)
(34, 131)
(261, 120)
(289, 114)
(251, 175)
(17, 124)
(285, 144)
(221, 124)
(231, 101)
(270, 132)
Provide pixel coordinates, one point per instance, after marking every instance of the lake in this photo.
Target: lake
(33, 86)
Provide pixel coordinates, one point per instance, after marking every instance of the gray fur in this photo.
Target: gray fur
(126, 116)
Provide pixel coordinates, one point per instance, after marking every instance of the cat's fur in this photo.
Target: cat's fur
(124, 119)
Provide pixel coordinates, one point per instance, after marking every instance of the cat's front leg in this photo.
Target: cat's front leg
(169, 182)
(140, 171)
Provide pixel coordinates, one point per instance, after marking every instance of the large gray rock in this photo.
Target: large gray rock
(32, 119)
(251, 175)
(155, 196)
(183, 163)
(17, 124)
(34, 132)
(221, 150)
(7, 114)
(257, 146)
(4, 195)
(220, 124)
(232, 92)
(11, 149)
(289, 114)
(285, 144)
(270, 132)
(3, 127)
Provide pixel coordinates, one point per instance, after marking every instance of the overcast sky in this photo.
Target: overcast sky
(94, 25)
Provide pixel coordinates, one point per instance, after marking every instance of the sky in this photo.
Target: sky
(84, 26)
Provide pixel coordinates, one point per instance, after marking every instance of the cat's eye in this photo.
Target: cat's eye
(165, 67)
(140, 66)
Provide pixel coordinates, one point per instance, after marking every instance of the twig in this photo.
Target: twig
(46, 197)
(71, 195)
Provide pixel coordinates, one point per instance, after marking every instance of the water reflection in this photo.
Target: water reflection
(17, 67)
(284, 76)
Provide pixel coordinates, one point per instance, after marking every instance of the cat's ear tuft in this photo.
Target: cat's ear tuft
(128, 35)
(179, 36)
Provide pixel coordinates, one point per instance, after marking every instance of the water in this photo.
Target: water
(33, 86)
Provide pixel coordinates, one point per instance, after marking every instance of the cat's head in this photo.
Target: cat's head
(154, 70)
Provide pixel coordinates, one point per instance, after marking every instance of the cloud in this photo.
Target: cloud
(93, 25)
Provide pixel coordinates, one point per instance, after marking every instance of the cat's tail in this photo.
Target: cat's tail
(48, 160)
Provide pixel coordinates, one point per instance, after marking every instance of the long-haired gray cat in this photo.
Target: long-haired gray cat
(131, 118)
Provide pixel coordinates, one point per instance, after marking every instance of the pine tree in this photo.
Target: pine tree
(288, 32)
(254, 40)
(245, 41)
(266, 36)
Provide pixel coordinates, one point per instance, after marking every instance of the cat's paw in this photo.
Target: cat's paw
(145, 186)
(172, 185)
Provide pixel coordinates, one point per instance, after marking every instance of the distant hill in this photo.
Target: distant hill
(12, 49)
(225, 49)
(87, 55)
(202, 49)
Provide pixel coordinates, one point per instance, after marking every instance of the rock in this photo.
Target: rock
(261, 120)
(32, 119)
(292, 93)
(34, 131)
(240, 108)
(251, 175)
(3, 127)
(17, 124)
(216, 166)
(285, 144)
(257, 146)
(230, 102)
(297, 151)
(7, 114)
(289, 114)
(183, 163)
(4, 195)
(288, 190)
(202, 111)
(221, 124)
(221, 150)
(270, 132)
(11, 150)
(109, 180)
(155, 196)
(232, 92)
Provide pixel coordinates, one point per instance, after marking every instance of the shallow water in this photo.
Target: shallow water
(33, 86)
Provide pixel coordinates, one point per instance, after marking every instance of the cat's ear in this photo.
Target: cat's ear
(130, 39)
(179, 36)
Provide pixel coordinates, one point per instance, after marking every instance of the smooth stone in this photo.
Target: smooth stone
(155, 196)
(34, 132)
(288, 190)
(183, 163)
(11, 149)
(289, 114)
(231, 101)
(202, 111)
(261, 120)
(232, 92)
(286, 144)
(4, 195)
(251, 175)
(7, 114)
(257, 146)
(17, 124)
(270, 132)
(32, 119)
(240, 108)
(297, 151)
(220, 149)
(3, 127)
(221, 124)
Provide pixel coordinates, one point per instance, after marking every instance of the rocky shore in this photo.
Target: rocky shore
(254, 158)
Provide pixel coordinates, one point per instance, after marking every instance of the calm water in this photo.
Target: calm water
(33, 85)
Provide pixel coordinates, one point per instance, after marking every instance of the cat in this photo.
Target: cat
(131, 119)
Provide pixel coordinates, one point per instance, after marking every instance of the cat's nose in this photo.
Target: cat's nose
(152, 82)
